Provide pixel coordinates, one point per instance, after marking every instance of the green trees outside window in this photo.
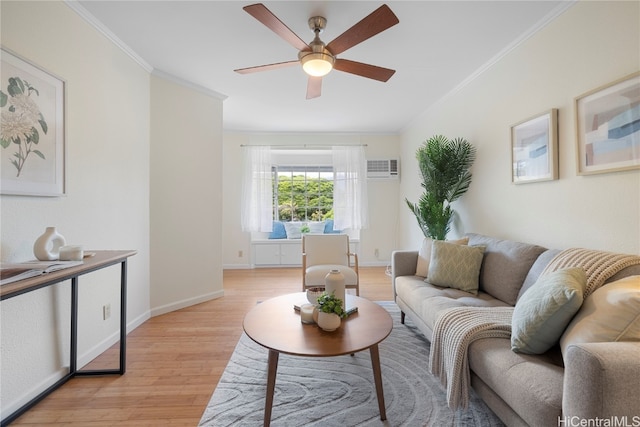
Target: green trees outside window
(302, 193)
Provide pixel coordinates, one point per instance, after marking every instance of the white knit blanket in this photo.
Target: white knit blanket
(598, 265)
(455, 329)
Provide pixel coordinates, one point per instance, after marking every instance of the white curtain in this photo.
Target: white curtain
(257, 192)
(350, 188)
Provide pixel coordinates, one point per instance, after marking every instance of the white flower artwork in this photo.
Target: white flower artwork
(31, 129)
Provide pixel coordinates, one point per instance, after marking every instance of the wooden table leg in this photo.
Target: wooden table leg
(271, 385)
(377, 377)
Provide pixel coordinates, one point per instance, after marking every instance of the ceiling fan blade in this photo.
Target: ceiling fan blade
(264, 15)
(314, 87)
(376, 22)
(266, 67)
(365, 70)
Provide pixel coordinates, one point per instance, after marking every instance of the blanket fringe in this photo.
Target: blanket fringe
(455, 329)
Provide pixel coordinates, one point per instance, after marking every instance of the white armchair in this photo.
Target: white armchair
(322, 253)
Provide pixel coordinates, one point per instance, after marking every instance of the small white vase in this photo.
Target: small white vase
(47, 246)
(328, 321)
(334, 284)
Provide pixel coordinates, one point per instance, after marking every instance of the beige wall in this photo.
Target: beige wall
(107, 201)
(186, 196)
(383, 209)
(143, 172)
(591, 44)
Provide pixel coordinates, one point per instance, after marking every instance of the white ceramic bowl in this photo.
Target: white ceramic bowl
(313, 294)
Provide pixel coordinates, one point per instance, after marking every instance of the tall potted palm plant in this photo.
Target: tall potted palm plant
(444, 167)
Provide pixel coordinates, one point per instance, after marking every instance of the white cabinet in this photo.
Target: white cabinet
(282, 252)
(286, 252)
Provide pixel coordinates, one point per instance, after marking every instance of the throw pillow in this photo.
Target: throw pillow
(609, 314)
(545, 309)
(424, 254)
(328, 227)
(455, 266)
(278, 231)
(294, 230)
(316, 227)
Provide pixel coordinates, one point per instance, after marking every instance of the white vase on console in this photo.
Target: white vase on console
(47, 246)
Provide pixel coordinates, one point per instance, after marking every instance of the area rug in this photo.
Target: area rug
(339, 391)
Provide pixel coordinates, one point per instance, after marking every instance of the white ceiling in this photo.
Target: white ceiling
(435, 48)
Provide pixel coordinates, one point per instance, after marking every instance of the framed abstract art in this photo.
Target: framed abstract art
(608, 127)
(534, 148)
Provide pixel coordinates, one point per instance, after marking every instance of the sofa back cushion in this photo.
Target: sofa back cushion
(537, 268)
(505, 265)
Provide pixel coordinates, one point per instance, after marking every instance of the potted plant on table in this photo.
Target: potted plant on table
(444, 167)
(330, 312)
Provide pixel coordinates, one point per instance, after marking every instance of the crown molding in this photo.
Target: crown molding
(170, 77)
(101, 28)
(546, 20)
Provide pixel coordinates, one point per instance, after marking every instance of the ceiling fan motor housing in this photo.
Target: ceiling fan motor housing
(318, 61)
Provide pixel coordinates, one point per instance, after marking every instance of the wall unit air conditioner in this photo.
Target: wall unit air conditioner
(383, 169)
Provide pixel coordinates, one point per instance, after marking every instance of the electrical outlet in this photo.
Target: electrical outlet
(240, 254)
(376, 253)
(106, 311)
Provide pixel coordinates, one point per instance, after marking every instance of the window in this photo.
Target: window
(302, 193)
(304, 185)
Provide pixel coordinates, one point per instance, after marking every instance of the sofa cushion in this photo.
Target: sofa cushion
(530, 384)
(455, 266)
(609, 314)
(424, 254)
(505, 265)
(544, 311)
(537, 268)
(427, 300)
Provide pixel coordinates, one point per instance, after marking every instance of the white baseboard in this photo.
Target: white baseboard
(236, 267)
(102, 346)
(83, 360)
(157, 311)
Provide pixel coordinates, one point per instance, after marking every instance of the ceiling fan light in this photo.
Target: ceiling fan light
(317, 64)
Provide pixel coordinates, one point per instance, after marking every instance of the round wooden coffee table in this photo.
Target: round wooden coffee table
(275, 325)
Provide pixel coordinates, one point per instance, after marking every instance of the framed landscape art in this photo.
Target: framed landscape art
(32, 145)
(608, 127)
(534, 148)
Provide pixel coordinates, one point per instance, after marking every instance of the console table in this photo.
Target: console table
(100, 260)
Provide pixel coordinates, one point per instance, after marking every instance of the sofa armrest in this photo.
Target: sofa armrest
(403, 263)
(601, 381)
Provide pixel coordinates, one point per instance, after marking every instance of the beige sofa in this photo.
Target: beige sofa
(597, 380)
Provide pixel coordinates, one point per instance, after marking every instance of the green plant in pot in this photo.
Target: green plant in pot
(330, 311)
(444, 167)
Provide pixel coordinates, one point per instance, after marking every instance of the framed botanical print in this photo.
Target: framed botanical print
(32, 133)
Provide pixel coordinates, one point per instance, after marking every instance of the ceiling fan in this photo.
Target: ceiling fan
(318, 59)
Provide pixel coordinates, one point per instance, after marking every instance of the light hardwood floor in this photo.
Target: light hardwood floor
(174, 361)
